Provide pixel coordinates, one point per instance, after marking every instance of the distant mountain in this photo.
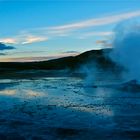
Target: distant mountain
(100, 57)
(66, 66)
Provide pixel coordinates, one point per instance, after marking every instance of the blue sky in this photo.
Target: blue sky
(47, 29)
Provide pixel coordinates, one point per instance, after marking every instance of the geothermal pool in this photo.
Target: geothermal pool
(58, 108)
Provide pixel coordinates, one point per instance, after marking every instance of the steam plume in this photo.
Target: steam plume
(126, 49)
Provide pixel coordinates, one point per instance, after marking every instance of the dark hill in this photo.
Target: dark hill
(71, 62)
(66, 66)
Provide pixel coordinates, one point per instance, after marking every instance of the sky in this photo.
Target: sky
(34, 30)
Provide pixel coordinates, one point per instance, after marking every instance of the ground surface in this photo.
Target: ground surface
(63, 108)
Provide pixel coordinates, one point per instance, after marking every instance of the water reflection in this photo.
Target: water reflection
(6, 85)
(31, 93)
(9, 92)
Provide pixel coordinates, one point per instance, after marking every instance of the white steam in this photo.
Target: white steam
(126, 49)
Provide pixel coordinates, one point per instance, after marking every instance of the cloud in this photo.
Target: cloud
(57, 32)
(5, 47)
(33, 39)
(26, 52)
(73, 28)
(8, 40)
(97, 21)
(104, 43)
(71, 52)
(23, 39)
(45, 33)
(89, 34)
(101, 41)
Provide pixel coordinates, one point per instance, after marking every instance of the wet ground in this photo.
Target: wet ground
(63, 108)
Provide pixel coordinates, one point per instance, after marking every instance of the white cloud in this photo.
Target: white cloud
(23, 39)
(70, 29)
(97, 21)
(8, 40)
(89, 34)
(33, 39)
(42, 34)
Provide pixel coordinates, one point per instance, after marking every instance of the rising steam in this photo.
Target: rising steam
(126, 49)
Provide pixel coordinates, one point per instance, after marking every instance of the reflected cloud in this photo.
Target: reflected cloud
(102, 110)
(31, 93)
(9, 92)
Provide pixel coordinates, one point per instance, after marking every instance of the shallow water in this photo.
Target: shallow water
(63, 108)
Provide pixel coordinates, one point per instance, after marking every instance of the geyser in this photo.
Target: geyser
(126, 49)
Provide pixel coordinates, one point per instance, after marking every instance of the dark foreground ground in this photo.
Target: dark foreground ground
(65, 108)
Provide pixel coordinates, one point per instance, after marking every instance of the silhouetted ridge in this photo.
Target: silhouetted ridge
(71, 62)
